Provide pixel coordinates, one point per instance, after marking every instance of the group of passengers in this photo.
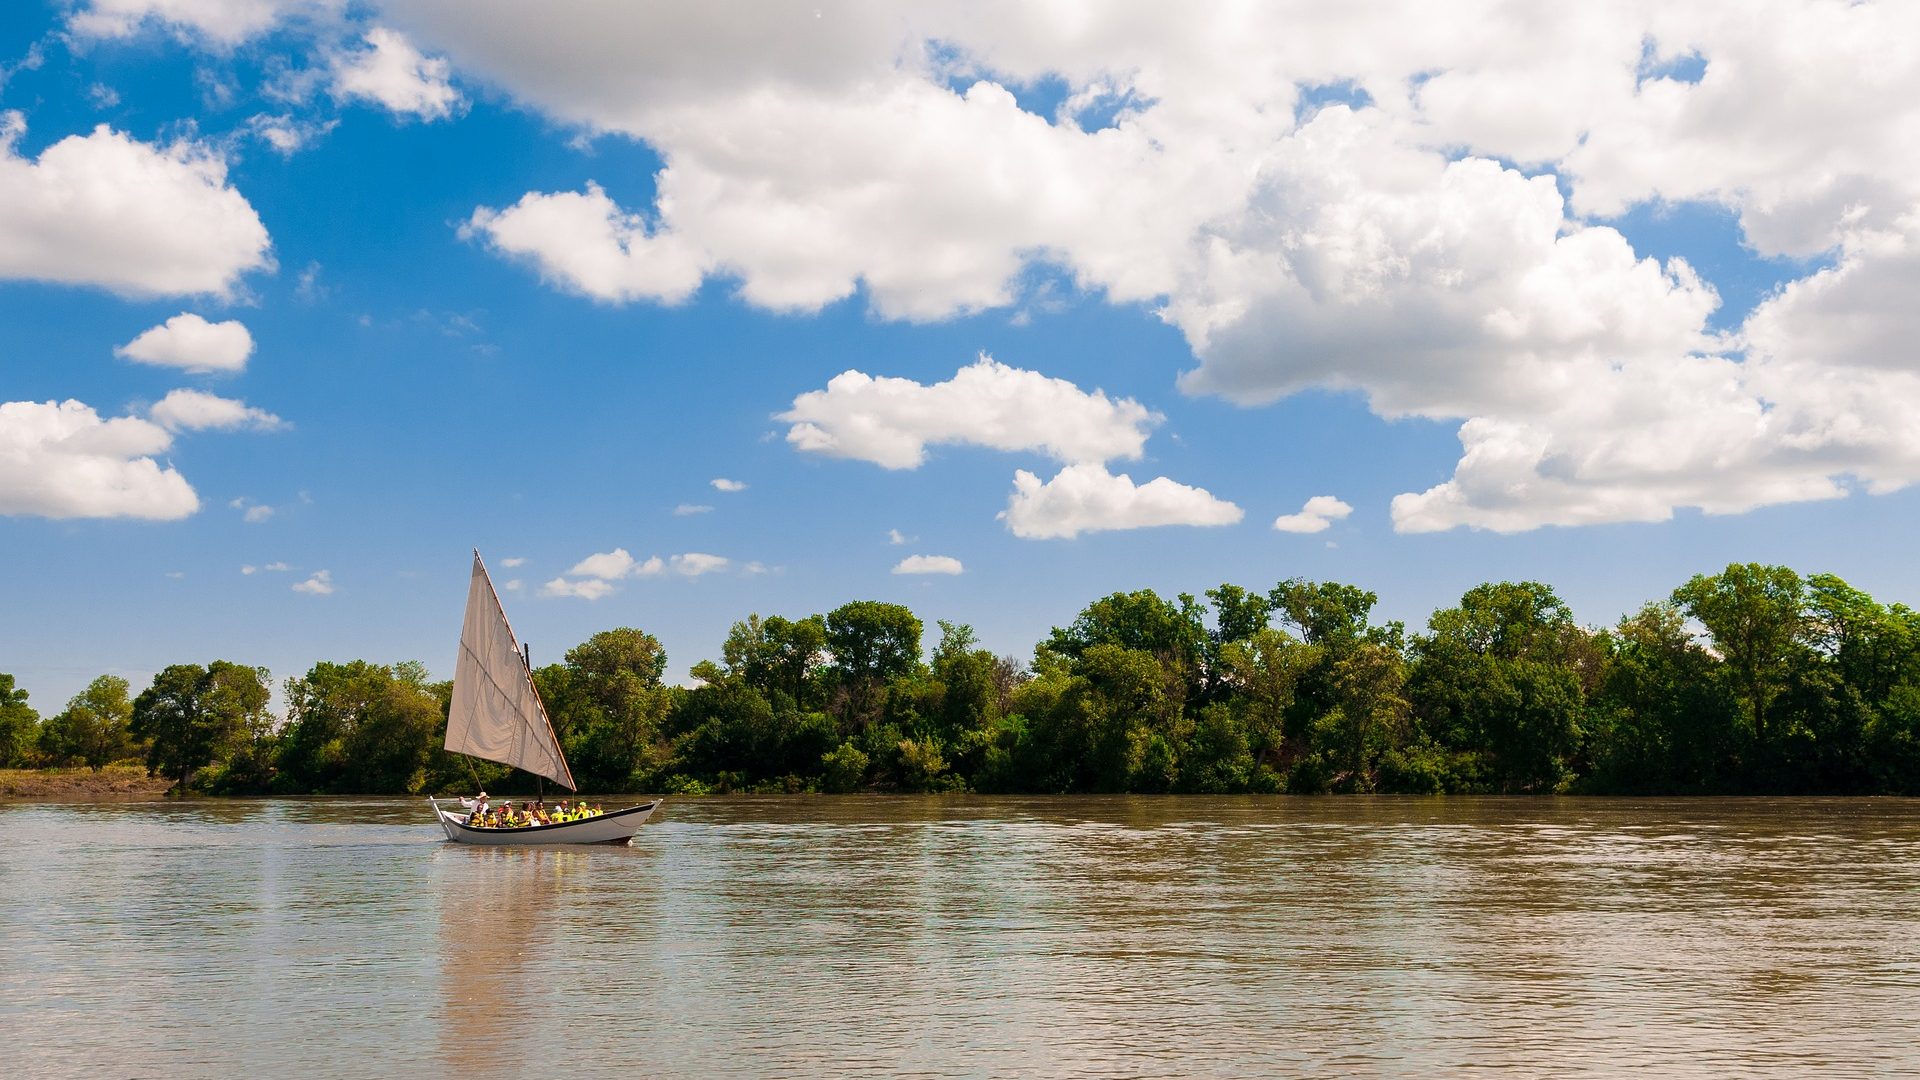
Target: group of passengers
(508, 816)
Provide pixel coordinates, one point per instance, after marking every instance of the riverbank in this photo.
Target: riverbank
(113, 781)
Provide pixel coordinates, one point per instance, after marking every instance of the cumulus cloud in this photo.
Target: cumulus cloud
(1319, 514)
(721, 483)
(391, 73)
(220, 22)
(1406, 240)
(192, 344)
(257, 514)
(196, 410)
(106, 209)
(928, 564)
(277, 567)
(896, 537)
(690, 509)
(694, 564)
(517, 560)
(891, 421)
(61, 460)
(582, 242)
(614, 565)
(319, 584)
(1087, 498)
(583, 588)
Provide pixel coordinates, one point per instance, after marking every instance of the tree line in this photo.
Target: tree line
(1752, 680)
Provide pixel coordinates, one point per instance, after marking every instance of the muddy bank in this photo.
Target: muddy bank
(112, 782)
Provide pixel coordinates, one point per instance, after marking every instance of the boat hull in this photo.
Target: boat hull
(615, 827)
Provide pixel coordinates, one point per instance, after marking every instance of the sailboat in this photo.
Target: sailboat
(497, 716)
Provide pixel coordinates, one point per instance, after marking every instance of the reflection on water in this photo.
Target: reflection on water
(882, 936)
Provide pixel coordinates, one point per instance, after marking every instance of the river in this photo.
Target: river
(974, 936)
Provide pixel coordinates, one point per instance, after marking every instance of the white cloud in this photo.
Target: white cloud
(61, 460)
(1087, 498)
(249, 571)
(105, 209)
(514, 585)
(689, 509)
(721, 483)
(593, 577)
(195, 410)
(391, 73)
(257, 514)
(583, 243)
(695, 563)
(319, 584)
(1410, 245)
(518, 560)
(220, 22)
(896, 537)
(176, 574)
(607, 565)
(1319, 513)
(286, 134)
(192, 344)
(928, 564)
(1804, 122)
(277, 567)
(584, 589)
(891, 421)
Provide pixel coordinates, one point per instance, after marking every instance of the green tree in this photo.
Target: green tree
(93, 729)
(1661, 721)
(1498, 682)
(360, 727)
(871, 642)
(1755, 616)
(1263, 674)
(778, 656)
(19, 725)
(194, 716)
(1171, 632)
(1329, 613)
(614, 707)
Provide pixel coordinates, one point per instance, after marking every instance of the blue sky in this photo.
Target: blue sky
(1330, 324)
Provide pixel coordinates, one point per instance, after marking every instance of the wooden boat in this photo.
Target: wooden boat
(496, 715)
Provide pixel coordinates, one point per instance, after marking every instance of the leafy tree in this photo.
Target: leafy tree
(1263, 674)
(1141, 621)
(194, 716)
(1661, 720)
(93, 729)
(19, 725)
(615, 706)
(778, 656)
(1329, 613)
(870, 642)
(1755, 616)
(1497, 682)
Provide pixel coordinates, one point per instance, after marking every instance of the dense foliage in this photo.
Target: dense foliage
(1751, 680)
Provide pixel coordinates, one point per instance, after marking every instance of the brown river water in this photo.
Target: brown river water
(883, 936)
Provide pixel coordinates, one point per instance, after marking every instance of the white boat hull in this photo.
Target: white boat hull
(615, 827)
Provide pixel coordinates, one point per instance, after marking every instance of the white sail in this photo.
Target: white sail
(496, 712)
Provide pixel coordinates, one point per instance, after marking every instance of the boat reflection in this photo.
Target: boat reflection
(496, 924)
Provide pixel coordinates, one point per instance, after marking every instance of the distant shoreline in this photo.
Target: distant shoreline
(112, 781)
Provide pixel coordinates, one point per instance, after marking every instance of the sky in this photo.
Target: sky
(987, 309)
